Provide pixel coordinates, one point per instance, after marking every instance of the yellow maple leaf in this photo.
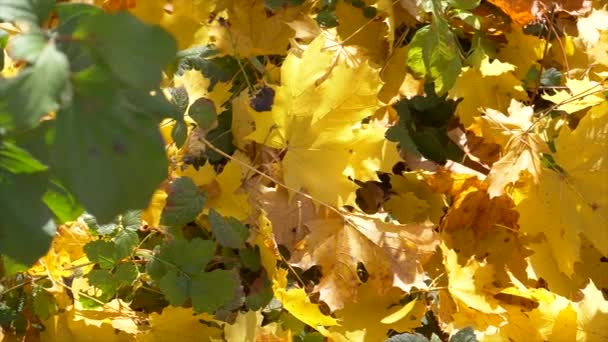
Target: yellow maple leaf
(249, 31)
(151, 215)
(591, 27)
(248, 328)
(572, 200)
(114, 321)
(390, 253)
(471, 284)
(232, 201)
(317, 116)
(398, 82)
(180, 324)
(485, 85)
(242, 120)
(522, 146)
(282, 212)
(523, 51)
(197, 86)
(294, 300)
(297, 303)
(592, 315)
(65, 327)
(478, 226)
(355, 29)
(369, 316)
(412, 200)
(67, 247)
(581, 94)
(182, 18)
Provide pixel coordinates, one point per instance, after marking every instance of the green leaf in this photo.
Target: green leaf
(551, 77)
(126, 274)
(102, 253)
(465, 335)
(36, 91)
(189, 256)
(43, 302)
(175, 285)
(67, 11)
(442, 56)
(131, 220)
(221, 137)
(125, 241)
(327, 18)
(3, 39)
(179, 97)
(101, 138)
(415, 57)
(17, 160)
(179, 133)
(10, 267)
(469, 18)
(153, 103)
(104, 281)
(229, 232)
(202, 111)
(27, 46)
(250, 258)
(408, 338)
(109, 281)
(211, 290)
(62, 202)
(401, 131)
(26, 224)
(184, 202)
(370, 12)
(260, 293)
(135, 52)
(108, 253)
(101, 229)
(434, 144)
(464, 4)
(35, 11)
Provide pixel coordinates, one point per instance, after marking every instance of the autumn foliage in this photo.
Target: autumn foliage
(290, 170)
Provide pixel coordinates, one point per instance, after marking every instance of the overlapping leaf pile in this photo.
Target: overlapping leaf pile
(339, 170)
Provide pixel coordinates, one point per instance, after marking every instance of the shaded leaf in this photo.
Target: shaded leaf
(184, 202)
(228, 231)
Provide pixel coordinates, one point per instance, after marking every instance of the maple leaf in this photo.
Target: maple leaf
(581, 94)
(391, 254)
(294, 300)
(176, 323)
(282, 212)
(398, 82)
(478, 226)
(524, 12)
(485, 85)
(412, 200)
(573, 195)
(67, 247)
(316, 115)
(248, 328)
(197, 86)
(386, 311)
(522, 146)
(250, 31)
(350, 34)
(592, 315)
(523, 51)
(182, 18)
